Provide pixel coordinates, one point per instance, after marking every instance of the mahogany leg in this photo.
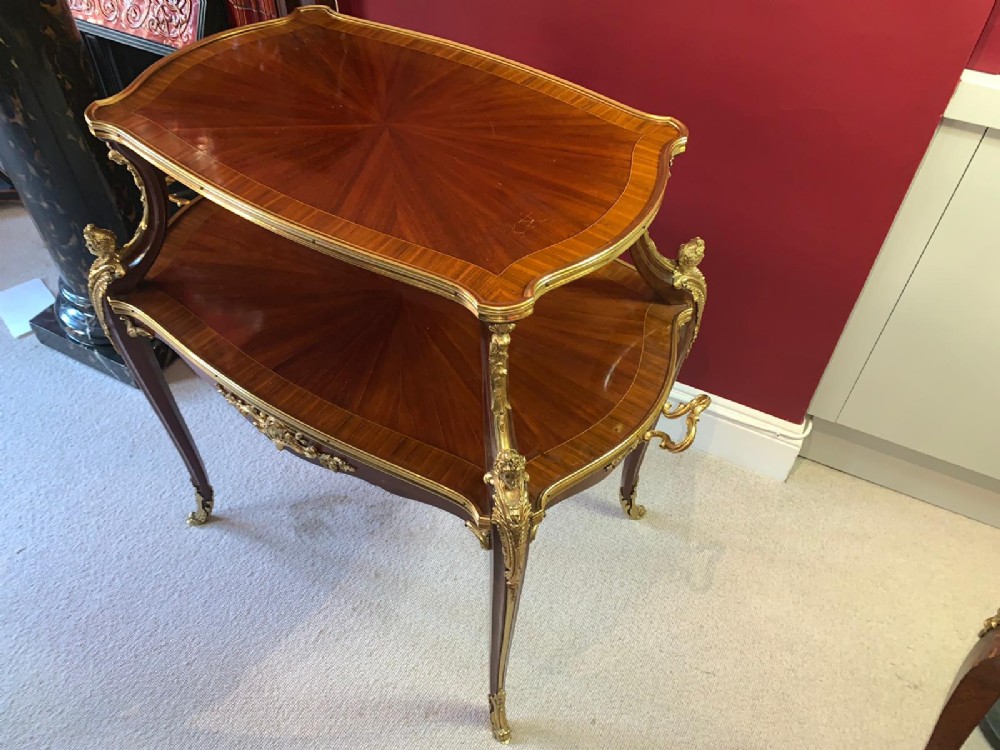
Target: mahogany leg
(630, 482)
(974, 692)
(135, 346)
(506, 598)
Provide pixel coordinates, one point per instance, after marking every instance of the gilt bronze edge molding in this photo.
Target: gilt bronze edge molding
(588, 265)
(327, 441)
(677, 144)
(611, 458)
(361, 258)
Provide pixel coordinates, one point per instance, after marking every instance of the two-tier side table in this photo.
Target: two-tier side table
(404, 253)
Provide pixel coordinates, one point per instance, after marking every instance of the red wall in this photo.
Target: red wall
(807, 119)
(986, 56)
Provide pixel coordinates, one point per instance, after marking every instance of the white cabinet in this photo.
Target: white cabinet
(932, 381)
(911, 397)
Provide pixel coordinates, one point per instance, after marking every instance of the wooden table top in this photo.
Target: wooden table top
(454, 170)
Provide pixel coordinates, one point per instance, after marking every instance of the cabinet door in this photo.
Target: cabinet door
(932, 382)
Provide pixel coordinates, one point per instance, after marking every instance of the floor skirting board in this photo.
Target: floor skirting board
(741, 435)
(769, 446)
(923, 477)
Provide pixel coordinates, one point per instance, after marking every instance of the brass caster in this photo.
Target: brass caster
(632, 509)
(991, 624)
(204, 511)
(498, 717)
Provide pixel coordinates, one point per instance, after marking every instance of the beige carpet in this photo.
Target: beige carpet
(318, 612)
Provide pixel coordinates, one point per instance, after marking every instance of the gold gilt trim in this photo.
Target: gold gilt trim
(498, 362)
(136, 331)
(155, 67)
(562, 276)
(482, 533)
(682, 274)
(124, 308)
(692, 409)
(621, 456)
(169, 182)
(512, 516)
(184, 209)
(478, 525)
(683, 318)
(991, 623)
(613, 457)
(498, 716)
(356, 255)
(204, 511)
(140, 229)
(632, 509)
(284, 436)
(103, 245)
(687, 276)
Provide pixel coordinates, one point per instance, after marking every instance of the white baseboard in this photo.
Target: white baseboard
(976, 99)
(915, 474)
(741, 435)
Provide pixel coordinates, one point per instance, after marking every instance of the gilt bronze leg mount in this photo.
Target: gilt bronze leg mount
(121, 268)
(514, 516)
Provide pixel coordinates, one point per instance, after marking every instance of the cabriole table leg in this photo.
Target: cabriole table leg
(630, 482)
(513, 516)
(119, 268)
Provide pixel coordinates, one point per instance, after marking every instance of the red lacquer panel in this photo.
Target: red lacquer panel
(170, 22)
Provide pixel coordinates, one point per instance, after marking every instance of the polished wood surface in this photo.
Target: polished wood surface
(424, 173)
(976, 689)
(391, 370)
(455, 170)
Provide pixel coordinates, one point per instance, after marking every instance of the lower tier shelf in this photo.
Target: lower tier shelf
(389, 376)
